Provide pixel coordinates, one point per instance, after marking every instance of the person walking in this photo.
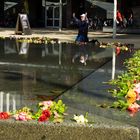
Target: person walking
(119, 18)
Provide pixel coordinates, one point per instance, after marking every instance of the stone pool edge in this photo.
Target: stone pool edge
(18, 130)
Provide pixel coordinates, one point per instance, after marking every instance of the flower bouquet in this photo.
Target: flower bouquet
(50, 110)
(127, 86)
(46, 111)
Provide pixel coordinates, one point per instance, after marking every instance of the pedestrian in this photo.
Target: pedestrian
(82, 37)
(124, 21)
(119, 18)
(130, 17)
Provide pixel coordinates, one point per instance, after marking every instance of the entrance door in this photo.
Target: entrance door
(52, 16)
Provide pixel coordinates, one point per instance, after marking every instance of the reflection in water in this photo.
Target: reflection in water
(82, 55)
(24, 48)
(33, 72)
(8, 101)
(113, 63)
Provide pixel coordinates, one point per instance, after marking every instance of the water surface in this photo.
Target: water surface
(31, 72)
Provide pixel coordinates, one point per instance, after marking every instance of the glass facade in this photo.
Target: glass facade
(1, 12)
(103, 10)
(9, 10)
(13, 7)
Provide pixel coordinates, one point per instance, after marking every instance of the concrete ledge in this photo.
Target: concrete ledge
(14, 130)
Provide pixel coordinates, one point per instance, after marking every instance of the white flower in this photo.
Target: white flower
(137, 85)
(80, 119)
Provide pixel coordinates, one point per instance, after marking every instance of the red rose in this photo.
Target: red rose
(4, 115)
(46, 113)
(42, 118)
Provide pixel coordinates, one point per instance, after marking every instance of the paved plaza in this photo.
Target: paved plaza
(70, 35)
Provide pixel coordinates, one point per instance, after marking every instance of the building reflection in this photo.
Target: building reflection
(9, 101)
(34, 72)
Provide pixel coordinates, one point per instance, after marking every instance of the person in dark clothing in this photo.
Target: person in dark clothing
(130, 17)
(82, 24)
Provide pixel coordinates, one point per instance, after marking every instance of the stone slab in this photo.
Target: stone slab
(11, 130)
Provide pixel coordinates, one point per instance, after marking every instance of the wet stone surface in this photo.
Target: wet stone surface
(31, 72)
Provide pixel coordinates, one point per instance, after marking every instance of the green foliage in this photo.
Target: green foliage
(126, 81)
(123, 105)
(37, 114)
(58, 109)
(122, 83)
(133, 65)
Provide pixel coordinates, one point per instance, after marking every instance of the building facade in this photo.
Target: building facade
(56, 13)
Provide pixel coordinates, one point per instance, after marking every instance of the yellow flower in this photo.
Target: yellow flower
(131, 96)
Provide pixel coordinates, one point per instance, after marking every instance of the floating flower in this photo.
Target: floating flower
(23, 116)
(50, 110)
(4, 115)
(45, 104)
(42, 118)
(131, 96)
(80, 119)
(133, 108)
(47, 113)
(55, 112)
(137, 87)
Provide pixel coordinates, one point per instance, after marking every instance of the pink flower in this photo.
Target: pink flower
(49, 103)
(137, 96)
(22, 116)
(133, 108)
(46, 104)
(137, 90)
